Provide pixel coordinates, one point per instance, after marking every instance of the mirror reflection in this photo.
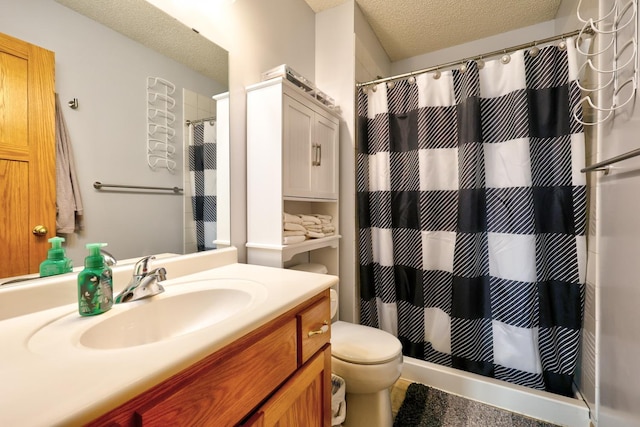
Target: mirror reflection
(111, 69)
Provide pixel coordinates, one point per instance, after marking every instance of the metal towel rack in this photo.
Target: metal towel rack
(99, 186)
(603, 166)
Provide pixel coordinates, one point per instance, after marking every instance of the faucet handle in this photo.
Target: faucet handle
(142, 266)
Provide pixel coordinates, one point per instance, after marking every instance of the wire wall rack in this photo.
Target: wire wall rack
(612, 63)
(160, 124)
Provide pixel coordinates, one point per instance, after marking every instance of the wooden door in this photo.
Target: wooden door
(304, 400)
(27, 155)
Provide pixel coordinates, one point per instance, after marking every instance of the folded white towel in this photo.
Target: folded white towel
(309, 218)
(313, 227)
(294, 233)
(323, 216)
(314, 234)
(295, 219)
(326, 228)
(290, 240)
(291, 226)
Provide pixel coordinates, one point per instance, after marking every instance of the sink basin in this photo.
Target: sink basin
(182, 309)
(166, 318)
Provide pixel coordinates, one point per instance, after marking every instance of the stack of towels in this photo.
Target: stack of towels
(299, 227)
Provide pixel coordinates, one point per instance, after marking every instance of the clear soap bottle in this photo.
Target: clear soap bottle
(95, 283)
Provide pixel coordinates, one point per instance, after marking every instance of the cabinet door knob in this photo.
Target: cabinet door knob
(323, 329)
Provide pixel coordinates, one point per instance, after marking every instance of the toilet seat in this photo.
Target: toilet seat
(363, 344)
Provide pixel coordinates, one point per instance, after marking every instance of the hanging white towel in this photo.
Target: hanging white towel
(68, 201)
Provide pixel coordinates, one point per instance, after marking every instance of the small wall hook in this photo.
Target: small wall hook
(73, 104)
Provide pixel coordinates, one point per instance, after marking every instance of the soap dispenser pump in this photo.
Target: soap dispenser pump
(95, 283)
(56, 262)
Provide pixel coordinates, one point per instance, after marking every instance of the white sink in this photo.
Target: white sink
(165, 318)
(182, 309)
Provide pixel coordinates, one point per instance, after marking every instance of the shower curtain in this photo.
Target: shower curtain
(471, 210)
(202, 169)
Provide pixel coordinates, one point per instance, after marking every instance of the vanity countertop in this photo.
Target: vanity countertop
(57, 381)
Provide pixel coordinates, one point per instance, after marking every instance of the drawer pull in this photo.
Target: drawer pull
(323, 329)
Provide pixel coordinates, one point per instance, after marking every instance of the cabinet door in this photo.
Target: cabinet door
(304, 400)
(325, 142)
(298, 149)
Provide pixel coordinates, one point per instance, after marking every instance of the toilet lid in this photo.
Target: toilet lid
(363, 344)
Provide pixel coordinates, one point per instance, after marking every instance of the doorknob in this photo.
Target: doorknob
(39, 230)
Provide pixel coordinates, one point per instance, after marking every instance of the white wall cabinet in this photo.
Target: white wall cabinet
(309, 141)
(292, 166)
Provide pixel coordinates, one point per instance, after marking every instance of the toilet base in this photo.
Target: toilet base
(371, 410)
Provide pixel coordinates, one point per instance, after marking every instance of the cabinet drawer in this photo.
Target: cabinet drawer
(314, 328)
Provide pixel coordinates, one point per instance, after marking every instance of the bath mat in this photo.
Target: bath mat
(429, 407)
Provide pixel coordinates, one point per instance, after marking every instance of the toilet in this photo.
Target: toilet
(370, 362)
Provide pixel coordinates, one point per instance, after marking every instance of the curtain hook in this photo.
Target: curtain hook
(463, 66)
(390, 85)
(480, 63)
(437, 74)
(411, 79)
(562, 45)
(534, 51)
(506, 58)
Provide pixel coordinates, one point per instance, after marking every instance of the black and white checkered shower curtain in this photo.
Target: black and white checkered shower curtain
(472, 217)
(203, 174)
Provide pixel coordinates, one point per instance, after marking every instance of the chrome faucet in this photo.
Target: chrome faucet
(109, 259)
(144, 283)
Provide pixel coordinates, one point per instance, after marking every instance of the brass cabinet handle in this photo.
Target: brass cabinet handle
(323, 329)
(39, 230)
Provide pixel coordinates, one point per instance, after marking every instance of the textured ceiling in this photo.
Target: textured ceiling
(148, 25)
(409, 28)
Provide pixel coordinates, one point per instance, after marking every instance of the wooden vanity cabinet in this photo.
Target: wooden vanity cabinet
(262, 379)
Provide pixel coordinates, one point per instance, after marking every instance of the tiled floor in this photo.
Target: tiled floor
(398, 391)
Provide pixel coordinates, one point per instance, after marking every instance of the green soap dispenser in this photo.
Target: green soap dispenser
(95, 283)
(56, 262)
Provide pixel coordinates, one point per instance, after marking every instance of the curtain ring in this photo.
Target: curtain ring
(437, 75)
(411, 79)
(463, 67)
(505, 58)
(374, 88)
(534, 51)
(562, 45)
(480, 63)
(390, 85)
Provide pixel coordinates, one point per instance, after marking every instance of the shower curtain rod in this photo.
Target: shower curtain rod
(193, 122)
(485, 55)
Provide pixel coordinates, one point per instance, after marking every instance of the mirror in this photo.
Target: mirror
(106, 70)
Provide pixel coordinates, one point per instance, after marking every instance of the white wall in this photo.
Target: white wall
(335, 44)
(259, 35)
(107, 73)
(475, 48)
(618, 247)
